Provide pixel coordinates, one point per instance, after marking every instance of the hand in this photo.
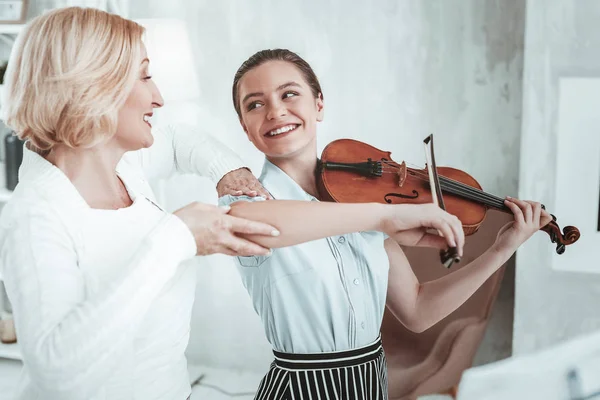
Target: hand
(241, 182)
(215, 231)
(529, 217)
(408, 225)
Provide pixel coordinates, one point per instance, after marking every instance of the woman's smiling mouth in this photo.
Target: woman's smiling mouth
(282, 130)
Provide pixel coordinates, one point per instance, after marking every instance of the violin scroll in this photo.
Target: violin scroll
(569, 235)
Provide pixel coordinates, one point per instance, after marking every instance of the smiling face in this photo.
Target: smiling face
(279, 112)
(134, 127)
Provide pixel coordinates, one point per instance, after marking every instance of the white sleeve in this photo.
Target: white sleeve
(186, 149)
(72, 342)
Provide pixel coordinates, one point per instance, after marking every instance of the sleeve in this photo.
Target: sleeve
(246, 261)
(71, 341)
(186, 149)
(375, 234)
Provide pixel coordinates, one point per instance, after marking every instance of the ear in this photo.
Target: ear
(320, 108)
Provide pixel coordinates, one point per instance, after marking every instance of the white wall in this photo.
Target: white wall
(392, 72)
(561, 40)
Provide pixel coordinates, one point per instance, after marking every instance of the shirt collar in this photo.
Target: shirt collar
(40, 173)
(281, 185)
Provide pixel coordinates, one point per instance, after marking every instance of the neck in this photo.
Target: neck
(301, 168)
(93, 173)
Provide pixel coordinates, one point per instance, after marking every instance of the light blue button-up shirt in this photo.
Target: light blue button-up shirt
(320, 296)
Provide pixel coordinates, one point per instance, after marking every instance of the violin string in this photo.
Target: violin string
(458, 188)
(471, 189)
(451, 183)
(466, 191)
(417, 170)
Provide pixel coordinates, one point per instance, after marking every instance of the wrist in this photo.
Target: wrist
(503, 251)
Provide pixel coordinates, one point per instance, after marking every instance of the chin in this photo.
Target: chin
(141, 143)
(144, 141)
(281, 153)
(148, 141)
(285, 151)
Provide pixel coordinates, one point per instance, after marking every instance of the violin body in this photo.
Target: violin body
(351, 171)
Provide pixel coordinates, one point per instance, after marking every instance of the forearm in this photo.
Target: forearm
(199, 153)
(70, 341)
(303, 221)
(438, 298)
(187, 149)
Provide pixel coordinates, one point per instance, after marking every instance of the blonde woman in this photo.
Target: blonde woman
(91, 263)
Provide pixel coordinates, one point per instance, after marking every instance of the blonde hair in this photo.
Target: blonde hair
(68, 75)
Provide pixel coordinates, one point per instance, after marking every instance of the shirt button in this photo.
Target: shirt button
(356, 281)
(362, 325)
(341, 239)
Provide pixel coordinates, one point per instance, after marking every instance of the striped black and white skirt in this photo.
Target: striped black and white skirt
(354, 374)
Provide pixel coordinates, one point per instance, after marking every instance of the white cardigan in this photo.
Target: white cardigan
(101, 303)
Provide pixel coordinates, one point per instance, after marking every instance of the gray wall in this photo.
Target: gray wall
(392, 72)
(561, 40)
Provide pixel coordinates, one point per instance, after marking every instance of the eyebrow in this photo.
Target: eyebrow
(145, 60)
(280, 87)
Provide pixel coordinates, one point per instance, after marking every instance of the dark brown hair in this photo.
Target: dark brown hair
(261, 57)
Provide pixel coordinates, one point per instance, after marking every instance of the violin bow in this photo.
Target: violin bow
(450, 256)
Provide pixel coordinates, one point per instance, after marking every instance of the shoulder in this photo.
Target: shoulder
(28, 204)
(31, 219)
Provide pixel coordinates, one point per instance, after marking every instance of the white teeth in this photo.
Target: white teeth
(282, 130)
(147, 118)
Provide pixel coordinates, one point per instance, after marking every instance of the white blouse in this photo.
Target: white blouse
(320, 296)
(101, 303)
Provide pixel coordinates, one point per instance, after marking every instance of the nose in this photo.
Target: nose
(157, 99)
(276, 109)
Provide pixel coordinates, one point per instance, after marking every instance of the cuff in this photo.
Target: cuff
(175, 237)
(223, 165)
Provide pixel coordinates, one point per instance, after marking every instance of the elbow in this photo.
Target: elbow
(417, 326)
(55, 384)
(412, 318)
(410, 311)
(411, 321)
(54, 377)
(414, 323)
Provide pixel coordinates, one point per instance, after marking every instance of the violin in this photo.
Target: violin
(350, 171)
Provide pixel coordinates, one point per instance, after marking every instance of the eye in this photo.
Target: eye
(147, 78)
(289, 94)
(254, 105)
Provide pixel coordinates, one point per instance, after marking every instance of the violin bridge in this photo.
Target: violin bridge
(402, 174)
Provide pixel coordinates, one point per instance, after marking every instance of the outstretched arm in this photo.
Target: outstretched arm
(420, 305)
(186, 149)
(302, 221)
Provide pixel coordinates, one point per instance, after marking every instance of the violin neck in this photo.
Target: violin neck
(368, 168)
(473, 194)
